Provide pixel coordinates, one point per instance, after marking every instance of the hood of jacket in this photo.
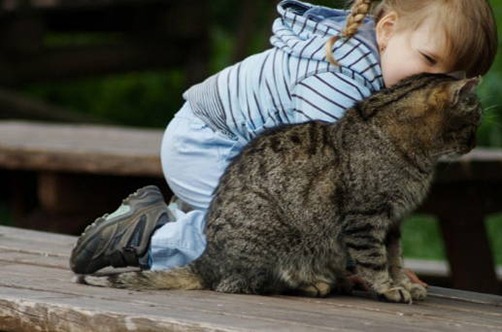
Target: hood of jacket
(302, 25)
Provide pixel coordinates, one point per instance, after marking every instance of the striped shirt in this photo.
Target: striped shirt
(291, 82)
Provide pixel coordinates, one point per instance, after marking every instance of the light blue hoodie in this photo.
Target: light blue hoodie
(291, 82)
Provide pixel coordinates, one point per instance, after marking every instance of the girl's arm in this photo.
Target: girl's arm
(326, 96)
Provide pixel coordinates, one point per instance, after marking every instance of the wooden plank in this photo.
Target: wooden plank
(50, 294)
(63, 147)
(471, 297)
(34, 248)
(436, 268)
(464, 192)
(461, 208)
(481, 164)
(80, 148)
(39, 294)
(36, 241)
(469, 262)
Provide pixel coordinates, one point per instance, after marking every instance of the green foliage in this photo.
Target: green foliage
(422, 238)
(490, 133)
(5, 214)
(494, 230)
(151, 98)
(147, 99)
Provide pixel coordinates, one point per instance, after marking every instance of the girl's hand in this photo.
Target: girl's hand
(414, 278)
(359, 283)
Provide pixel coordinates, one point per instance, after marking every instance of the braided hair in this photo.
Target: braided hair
(359, 10)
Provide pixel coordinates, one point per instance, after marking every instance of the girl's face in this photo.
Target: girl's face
(405, 52)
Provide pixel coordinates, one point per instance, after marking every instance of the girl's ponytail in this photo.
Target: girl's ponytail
(359, 10)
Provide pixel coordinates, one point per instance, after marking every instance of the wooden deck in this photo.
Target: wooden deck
(50, 169)
(36, 293)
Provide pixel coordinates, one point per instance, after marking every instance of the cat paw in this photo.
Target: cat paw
(320, 289)
(418, 292)
(396, 294)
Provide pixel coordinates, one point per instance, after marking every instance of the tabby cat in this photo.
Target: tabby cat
(300, 200)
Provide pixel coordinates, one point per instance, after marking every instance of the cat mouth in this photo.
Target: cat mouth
(469, 142)
(460, 145)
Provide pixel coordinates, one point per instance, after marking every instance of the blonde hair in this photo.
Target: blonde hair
(467, 26)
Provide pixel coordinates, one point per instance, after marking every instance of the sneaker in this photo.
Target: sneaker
(122, 238)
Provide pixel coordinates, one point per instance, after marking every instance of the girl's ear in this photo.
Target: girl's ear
(385, 28)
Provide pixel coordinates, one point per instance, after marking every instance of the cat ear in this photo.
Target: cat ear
(470, 84)
(465, 87)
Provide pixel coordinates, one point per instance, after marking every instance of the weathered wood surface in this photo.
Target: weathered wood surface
(70, 161)
(36, 293)
(133, 151)
(481, 164)
(80, 148)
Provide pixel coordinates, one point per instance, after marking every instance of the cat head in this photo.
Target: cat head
(432, 113)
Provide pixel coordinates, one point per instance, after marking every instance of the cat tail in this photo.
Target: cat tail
(177, 278)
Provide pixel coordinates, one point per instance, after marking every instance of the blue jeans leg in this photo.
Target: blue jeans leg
(178, 243)
(193, 159)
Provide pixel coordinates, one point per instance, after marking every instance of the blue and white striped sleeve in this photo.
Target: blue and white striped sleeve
(325, 96)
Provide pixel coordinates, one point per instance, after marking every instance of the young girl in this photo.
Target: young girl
(321, 63)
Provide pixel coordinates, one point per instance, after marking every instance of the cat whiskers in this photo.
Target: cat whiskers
(449, 155)
(489, 108)
(492, 117)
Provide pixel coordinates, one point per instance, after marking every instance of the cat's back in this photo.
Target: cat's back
(289, 148)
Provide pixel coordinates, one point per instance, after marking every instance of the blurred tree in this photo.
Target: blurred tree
(237, 29)
(490, 133)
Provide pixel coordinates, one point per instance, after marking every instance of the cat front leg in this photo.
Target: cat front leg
(395, 259)
(365, 242)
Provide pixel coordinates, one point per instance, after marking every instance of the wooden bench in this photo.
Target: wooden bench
(75, 173)
(60, 177)
(36, 293)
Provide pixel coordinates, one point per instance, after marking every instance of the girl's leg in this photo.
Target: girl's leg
(144, 231)
(193, 159)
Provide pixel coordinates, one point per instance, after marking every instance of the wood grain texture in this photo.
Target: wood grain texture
(64, 156)
(80, 148)
(36, 293)
(132, 151)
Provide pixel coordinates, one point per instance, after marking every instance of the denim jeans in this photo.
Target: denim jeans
(193, 159)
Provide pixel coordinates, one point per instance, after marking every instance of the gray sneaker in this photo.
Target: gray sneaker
(122, 238)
